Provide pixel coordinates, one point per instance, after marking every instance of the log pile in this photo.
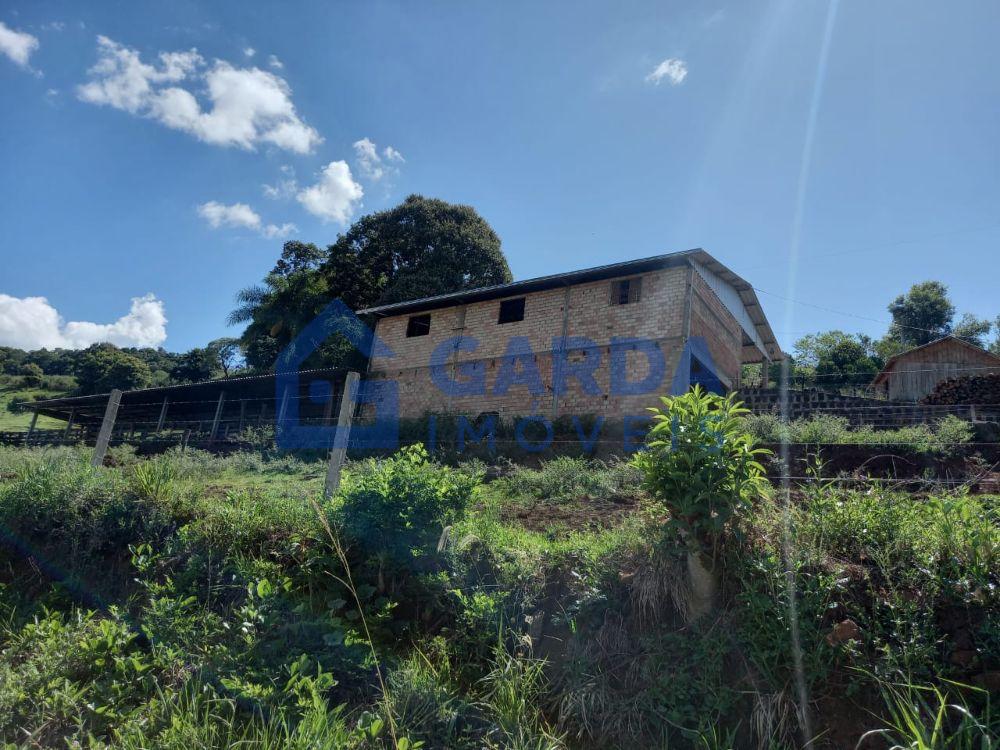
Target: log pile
(968, 389)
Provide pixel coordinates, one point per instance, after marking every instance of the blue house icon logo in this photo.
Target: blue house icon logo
(292, 432)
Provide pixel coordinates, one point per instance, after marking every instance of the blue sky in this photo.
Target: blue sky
(137, 140)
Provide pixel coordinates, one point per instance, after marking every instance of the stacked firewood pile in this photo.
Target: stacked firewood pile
(968, 389)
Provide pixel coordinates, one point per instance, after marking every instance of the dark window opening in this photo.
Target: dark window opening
(511, 310)
(626, 291)
(418, 325)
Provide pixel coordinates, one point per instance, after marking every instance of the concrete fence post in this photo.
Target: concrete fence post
(104, 436)
(282, 409)
(218, 416)
(31, 427)
(163, 415)
(338, 452)
(69, 423)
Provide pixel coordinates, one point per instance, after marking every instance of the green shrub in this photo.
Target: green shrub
(399, 506)
(951, 434)
(31, 376)
(820, 429)
(701, 464)
(767, 428)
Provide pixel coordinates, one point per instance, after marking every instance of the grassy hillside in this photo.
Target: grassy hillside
(11, 390)
(191, 601)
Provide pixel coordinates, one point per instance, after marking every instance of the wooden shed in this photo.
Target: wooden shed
(913, 374)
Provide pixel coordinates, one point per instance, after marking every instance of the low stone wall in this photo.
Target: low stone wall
(805, 402)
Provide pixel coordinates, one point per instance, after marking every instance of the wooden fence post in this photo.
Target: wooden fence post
(104, 436)
(339, 450)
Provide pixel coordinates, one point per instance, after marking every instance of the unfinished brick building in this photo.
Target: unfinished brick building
(601, 341)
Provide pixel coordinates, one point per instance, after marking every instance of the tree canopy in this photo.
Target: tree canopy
(104, 367)
(838, 358)
(420, 248)
(921, 315)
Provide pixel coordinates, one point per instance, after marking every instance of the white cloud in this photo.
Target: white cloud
(370, 164)
(716, 16)
(368, 159)
(272, 231)
(240, 215)
(33, 323)
(672, 70)
(249, 51)
(17, 45)
(247, 106)
(284, 188)
(335, 196)
(274, 62)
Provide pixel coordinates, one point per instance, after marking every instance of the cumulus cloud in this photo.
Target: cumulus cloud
(335, 197)
(17, 45)
(372, 165)
(32, 323)
(241, 216)
(672, 70)
(245, 106)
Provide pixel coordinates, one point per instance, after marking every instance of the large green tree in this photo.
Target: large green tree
(836, 358)
(195, 366)
(420, 248)
(103, 367)
(921, 315)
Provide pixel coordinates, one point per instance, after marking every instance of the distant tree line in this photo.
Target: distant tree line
(103, 367)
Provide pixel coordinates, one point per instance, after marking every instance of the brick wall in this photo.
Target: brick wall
(712, 321)
(661, 316)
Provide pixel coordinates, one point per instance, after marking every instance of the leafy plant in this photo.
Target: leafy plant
(702, 465)
(397, 507)
(930, 718)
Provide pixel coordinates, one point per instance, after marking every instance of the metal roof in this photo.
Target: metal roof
(191, 400)
(626, 268)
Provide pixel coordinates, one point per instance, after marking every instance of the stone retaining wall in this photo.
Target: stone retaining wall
(806, 402)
